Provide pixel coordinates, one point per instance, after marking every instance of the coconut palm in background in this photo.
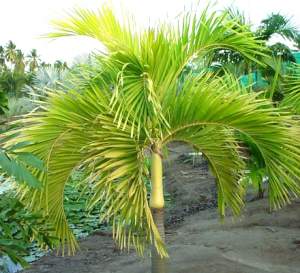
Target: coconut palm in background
(135, 105)
(33, 60)
(10, 52)
(19, 62)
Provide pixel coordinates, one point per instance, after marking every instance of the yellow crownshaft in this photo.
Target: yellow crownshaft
(157, 195)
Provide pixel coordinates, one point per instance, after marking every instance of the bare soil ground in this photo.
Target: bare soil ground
(259, 241)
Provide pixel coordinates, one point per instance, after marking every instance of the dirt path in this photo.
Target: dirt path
(257, 242)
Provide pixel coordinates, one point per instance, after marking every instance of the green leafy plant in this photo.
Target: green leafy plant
(19, 228)
(277, 24)
(83, 221)
(139, 105)
(292, 89)
(3, 102)
(19, 165)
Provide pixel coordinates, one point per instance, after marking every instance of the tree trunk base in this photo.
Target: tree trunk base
(159, 264)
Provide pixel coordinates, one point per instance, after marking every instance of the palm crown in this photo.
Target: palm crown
(135, 103)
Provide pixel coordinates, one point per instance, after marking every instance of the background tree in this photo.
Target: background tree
(3, 102)
(33, 60)
(60, 65)
(2, 59)
(273, 24)
(277, 24)
(19, 62)
(10, 52)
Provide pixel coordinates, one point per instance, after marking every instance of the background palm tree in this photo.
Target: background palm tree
(45, 65)
(273, 24)
(135, 105)
(19, 62)
(33, 60)
(277, 24)
(10, 52)
(60, 65)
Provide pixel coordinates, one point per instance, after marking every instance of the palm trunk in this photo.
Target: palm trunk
(158, 263)
(157, 208)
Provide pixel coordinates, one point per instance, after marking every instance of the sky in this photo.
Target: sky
(25, 21)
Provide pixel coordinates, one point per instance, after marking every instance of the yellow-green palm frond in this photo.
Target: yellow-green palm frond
(162, 51)
(118, 174)
(200, 34)
(204, 104)
(292, 89)
(150, 62)
(78, 130)
(220, 147)
(101, 25)
(57, 138)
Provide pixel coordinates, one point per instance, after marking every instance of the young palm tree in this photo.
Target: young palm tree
(135, 105)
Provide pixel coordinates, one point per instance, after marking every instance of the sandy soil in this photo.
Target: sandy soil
(257, 242)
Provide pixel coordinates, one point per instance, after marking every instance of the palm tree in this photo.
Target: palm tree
(2, 58)
(33, 60)
(10, 52)
(273, 24)
(60, 65)
(19, 62)
(277, 24)
(134, 106)
(45, 65)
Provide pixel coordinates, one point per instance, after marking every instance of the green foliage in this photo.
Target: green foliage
(18, 71)
(277, 24)
(83, 221)
(19, 228)
(20, 165)
(3, 102)
(17, 107)
(283, 52)
(23, 233)
(12, 82)
(45, 79)
(292, 89)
